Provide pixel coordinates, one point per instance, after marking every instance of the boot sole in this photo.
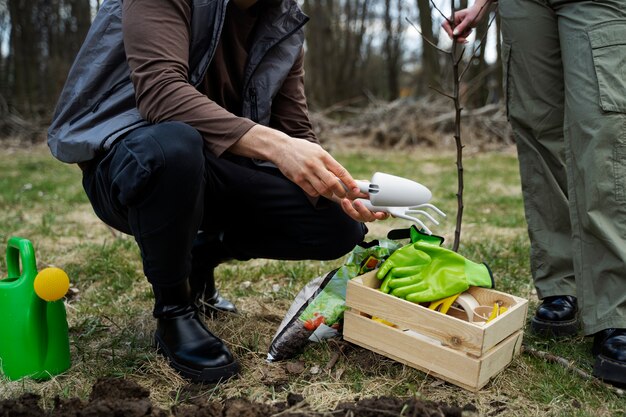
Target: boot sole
(211, 375)
(610, 370)
(553, 328)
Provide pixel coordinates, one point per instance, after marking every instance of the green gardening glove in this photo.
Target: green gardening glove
(416, 235)
(423, 272)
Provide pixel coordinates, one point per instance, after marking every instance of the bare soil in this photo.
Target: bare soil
(120, 397)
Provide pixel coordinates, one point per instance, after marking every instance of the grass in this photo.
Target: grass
(110, 314)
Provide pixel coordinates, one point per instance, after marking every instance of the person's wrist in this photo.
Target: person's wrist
(262, 142)
(481, 3)
(488, 6)
(275, 145)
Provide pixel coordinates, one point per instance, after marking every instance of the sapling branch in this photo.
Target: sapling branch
(570, 366)
(456, 55)
(477, 47)
(450, 20)
(460, 56)
(441, 92)
(428, 41)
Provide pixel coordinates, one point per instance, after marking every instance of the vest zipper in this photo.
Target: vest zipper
(247, 82)
(254, 111)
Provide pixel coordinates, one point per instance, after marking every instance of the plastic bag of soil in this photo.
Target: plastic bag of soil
(317, 311)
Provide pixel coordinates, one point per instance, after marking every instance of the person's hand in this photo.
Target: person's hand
(309, 166)
(319, 174)
(465, 20)
(359, 212)
(315, 171)
(305, 163)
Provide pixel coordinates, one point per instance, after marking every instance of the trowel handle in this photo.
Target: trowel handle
(364, 186)
(20, 249)
(368, 205)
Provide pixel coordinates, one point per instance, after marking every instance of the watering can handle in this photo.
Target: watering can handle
(20, 249)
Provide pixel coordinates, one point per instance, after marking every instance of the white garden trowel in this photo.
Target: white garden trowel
(399, 197)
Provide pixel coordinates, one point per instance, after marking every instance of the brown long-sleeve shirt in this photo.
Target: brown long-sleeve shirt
(156, 41)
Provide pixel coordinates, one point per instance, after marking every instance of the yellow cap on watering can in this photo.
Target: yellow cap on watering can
(51, 284)
(34, 339)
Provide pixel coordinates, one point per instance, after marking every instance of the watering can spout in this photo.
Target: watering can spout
(34, 339)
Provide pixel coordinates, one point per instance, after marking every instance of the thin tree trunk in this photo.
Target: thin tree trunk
(456, 58)
(337, 49)
(478, 67)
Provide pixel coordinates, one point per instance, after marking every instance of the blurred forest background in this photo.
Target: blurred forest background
(368, 72)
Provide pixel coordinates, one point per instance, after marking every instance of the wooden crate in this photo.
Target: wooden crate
(463, 353)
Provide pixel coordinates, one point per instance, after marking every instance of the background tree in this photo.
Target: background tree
(5, 27)
(392, 50)
(42, 36)
(23, 55)
(339, 45)
(430, 67)
(357, 53)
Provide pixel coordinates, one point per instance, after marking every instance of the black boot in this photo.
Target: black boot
(205, 256)
(210, 301)
(609, 348)
(184, 340)
(557, 316)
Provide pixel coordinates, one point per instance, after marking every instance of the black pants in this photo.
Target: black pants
(159, 185)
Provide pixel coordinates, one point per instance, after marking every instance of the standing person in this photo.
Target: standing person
(565, 75)
(189, 121)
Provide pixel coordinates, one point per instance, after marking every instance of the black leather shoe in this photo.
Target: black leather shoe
(184, 340)
(609, 348)
(557, 316)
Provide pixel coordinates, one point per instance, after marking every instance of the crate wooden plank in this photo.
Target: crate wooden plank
(395, 344)
(499, 357)
(443, 362)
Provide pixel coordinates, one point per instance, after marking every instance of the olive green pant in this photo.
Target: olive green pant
(565, 76)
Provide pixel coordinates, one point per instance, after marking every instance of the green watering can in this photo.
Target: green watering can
(34, 339)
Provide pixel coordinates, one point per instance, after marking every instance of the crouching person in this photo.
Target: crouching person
(190, 124)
